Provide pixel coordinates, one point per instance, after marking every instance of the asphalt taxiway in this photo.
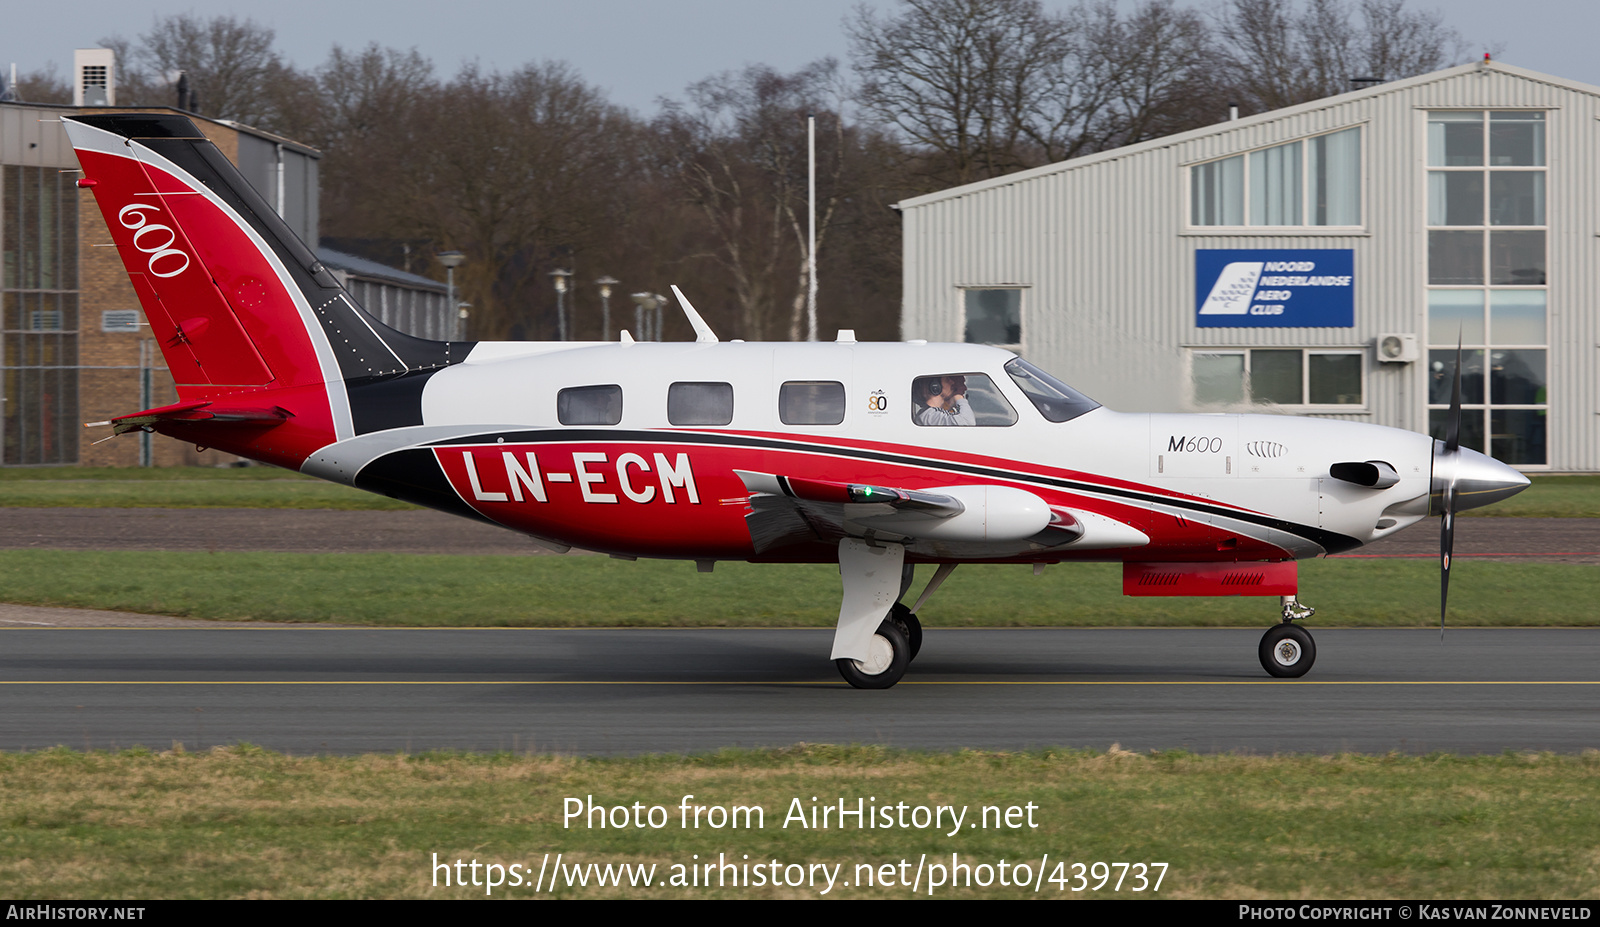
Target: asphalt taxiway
(328, 690)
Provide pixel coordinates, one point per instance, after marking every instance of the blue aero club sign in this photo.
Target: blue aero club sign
(1274, 288)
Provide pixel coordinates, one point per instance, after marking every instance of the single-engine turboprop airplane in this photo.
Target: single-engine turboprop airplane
(874, 456)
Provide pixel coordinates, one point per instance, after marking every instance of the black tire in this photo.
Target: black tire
(909, 626)
(893, 664)
(1287, 651)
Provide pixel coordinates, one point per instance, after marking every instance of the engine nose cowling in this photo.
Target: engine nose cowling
(1479, 479)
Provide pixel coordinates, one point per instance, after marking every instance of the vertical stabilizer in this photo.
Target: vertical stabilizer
(242, 309)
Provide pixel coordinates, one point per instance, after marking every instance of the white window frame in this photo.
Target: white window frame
(1441, 340)
(1306, 353)
(1190, 228)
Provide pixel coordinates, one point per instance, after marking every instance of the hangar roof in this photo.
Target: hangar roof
(1113, 154)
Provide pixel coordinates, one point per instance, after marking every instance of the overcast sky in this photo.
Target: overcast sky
(640, 50)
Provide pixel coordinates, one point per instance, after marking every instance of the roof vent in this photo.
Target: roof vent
(846, 336)
(94, 77)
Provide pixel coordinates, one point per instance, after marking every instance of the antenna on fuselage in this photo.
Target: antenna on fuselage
(702, 331)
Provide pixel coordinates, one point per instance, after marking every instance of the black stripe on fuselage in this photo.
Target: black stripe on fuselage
(1331, 541)
(414, 475)
(366, 349)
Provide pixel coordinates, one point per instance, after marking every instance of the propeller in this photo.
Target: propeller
(1448, 461)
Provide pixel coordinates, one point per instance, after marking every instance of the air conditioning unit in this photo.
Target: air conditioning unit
(1396, 348)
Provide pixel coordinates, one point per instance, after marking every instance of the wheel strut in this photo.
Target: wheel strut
(1293, 610)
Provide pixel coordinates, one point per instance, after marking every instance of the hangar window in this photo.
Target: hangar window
(811, 402)
(1487, 175)
(700, 403)
(993, 316)
(1277, 376)
(589, 405)
(1307, 183)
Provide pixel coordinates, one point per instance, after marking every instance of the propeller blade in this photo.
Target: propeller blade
(1447, 543)
(1452, 424)
(1451, 459)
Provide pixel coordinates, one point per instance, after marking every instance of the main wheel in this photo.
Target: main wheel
(887, 658)
(909, 626)
(1287, 651)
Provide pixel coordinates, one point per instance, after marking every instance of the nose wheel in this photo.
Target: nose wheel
(888, 656)
(1287, 651)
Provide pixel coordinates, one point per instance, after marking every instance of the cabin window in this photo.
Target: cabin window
(811, 402)
(589, 405)
(1055, 400)
(959, 399)
(700, 403)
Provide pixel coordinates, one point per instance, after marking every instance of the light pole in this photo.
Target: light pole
(451, 260)
(643, 304)
(559, 278)
(605, 284)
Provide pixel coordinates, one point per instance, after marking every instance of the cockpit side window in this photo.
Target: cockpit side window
(589, 405)
(959, 399)
(1054, 399)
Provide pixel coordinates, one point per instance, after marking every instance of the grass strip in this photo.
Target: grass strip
(271, 487)
(150, 474)
(243, 822)
(295, 493)
(408, 590)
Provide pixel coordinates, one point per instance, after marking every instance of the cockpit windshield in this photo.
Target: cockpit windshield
(1054, 399)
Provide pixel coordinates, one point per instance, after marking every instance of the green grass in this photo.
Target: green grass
(242, 822)
(148, 474)
(1576, 496)
(409, 590)
(181, 488)
(271, 487)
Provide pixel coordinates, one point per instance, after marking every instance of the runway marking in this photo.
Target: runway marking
(1559, 553)
(781, 682)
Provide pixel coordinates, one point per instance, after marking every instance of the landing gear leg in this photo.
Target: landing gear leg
(871, 650)
(1287, 650)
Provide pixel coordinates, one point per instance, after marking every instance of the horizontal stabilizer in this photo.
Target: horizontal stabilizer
(197, 411)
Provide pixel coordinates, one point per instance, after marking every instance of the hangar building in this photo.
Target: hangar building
(1322, 260)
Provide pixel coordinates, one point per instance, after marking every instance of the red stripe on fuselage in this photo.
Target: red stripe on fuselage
(1024, 468)
(683, 499)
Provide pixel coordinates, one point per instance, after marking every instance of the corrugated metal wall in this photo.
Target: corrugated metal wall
(1103, 248)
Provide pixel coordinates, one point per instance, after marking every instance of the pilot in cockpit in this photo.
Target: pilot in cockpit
(941, 401)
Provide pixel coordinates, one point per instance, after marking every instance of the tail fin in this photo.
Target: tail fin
(240, 306)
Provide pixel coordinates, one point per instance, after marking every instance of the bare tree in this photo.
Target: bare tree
(231, 64)
(1281, 53)
(512, 169)
(983, 87)
(956, 77)
(1154, 72)
(41, 85)
(736, 148)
